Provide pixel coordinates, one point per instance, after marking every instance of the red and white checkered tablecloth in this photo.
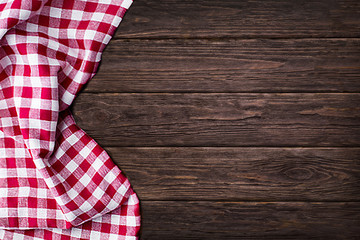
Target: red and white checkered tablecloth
(56, 182)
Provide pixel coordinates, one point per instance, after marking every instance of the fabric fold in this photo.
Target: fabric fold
(56, 182)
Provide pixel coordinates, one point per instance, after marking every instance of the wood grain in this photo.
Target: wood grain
(250, 220)
(260, 174)
(209, 119)
(245, 19)
(270, 92)
(288, 65)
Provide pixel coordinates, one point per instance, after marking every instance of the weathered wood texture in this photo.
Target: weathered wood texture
(234, 119)
(250, 220)
(221, 173)
(246, 19)
(292, 65)
(242, 119)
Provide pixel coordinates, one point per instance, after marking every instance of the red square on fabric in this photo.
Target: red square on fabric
(83, 25)
(110, 191)
(8, 92)
(44, 20)
(13, 222)
(105, 227)
(72, 180)
(12, 182)
(51, 222)
(99, 206)
(10, 163)
(24, 112)
(85, 139)
(90, 7)
(16, 4)
(22, 48)
(12, 202)
(85, 165)
(51, 203)
(33, 182)
(84, 216)
(47, 233)
(60, 189)
(122, 229)
(71, 205)
(32, 202)
(30, 234)
(85, 193)
(68, 5)
(58, 166)
(46, 115)
(44, 70)
(97, 179)
(46, 93)
(9, 143)
(32, 222)
(71, 152)
(27, 70)
(97, 150)
(42, 50)
(29, 163)
(27, 92)
(65, 237)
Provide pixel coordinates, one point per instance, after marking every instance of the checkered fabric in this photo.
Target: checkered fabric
(56, 182)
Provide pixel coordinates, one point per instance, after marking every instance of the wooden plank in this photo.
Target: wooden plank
(290, 65)
(261, 174)
(245, 19)
(250, 220)
(209, 119)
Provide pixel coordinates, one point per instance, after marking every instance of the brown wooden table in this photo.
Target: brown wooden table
(234, 119)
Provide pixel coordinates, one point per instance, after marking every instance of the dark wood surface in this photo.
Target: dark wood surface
(221, 119)
(245, 19)
(241, 174)
(234, 119)
(251, 65)
(250, 220)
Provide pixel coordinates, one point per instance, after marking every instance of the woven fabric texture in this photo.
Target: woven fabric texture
(56, 182)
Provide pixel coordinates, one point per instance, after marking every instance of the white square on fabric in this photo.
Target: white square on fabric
(76, 15)
(86, 206)
(72, 139)
(98, 193)
(53, 32)
(67, 97)
(41, 213)
(131, 221)
(85, 152)
(97, 164)
(90, 34)
(95, 235)
(55, 12)
(110, 177)
(85, 180)
(98, 16)
(36, 103)
(6, 122)
(71, 166)
(24, 192)
(76, 232)
(72, 193)
(19, 153)
(33, 59)
(4, 212)
(22, 173)
(126, 3)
